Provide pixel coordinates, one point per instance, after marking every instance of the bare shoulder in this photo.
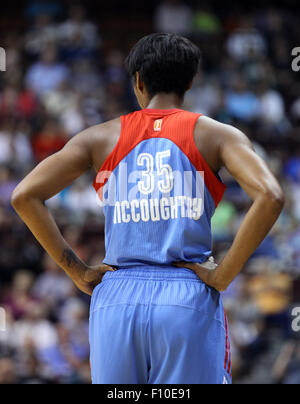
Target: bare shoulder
(219, 132)
(211, 136)
(102, 132)
(100, 140)
(106, 127)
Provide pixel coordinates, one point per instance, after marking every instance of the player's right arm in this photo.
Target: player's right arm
(230, 148)
(48, 179)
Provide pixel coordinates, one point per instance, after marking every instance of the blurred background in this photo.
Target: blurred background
(65, 73)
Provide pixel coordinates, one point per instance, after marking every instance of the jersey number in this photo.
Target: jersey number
(146, 160)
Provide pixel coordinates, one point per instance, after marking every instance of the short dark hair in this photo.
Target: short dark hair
(167, 63)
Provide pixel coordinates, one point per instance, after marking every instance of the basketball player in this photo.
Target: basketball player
(156, 313)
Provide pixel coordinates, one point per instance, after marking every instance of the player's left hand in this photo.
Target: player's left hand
(208, 276)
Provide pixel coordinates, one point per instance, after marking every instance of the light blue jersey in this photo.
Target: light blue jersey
(159, 194)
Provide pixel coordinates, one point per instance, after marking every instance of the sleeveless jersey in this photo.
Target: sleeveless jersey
(158, 193)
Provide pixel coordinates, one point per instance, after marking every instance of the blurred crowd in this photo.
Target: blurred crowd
(62, 78)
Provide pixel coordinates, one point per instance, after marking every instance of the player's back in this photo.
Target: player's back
(158, 192)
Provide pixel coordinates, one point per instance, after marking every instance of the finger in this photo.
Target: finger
(178, 264)
(108, 268)
(183, 265)
(204, 275)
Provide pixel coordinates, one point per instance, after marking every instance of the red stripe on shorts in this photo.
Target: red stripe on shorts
(226, 345)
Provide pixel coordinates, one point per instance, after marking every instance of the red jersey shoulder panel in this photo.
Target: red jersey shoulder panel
(176, 125)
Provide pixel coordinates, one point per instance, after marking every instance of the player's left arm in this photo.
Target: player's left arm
(45, 181)
(236, 153)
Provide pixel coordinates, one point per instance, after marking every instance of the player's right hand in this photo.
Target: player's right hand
(93, 276)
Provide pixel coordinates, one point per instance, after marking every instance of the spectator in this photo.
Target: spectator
(48, 7)
(272, 105)
(173, 16)
(47, 74)
(20, 298)
(61, 360)
(15, 148)
(115, 67)
(7, 185)
(78, 29)
(7, 371)
(49, 141)
(205, 22)
(60, 101)
(42, 33)
(52, 284)
(246, 42)
(73, 119)
(86, 79)
(35, 329)
(242, 104)
(205, 97)
(81, 196)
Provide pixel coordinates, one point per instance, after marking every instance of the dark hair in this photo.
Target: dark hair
(167, 63)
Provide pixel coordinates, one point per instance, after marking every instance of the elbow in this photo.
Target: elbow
(275, 199)
(19, 199)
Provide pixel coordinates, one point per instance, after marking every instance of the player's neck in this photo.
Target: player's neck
(165, 101)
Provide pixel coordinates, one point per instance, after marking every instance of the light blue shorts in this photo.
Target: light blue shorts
(152, 325)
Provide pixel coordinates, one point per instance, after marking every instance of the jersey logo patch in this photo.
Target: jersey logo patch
(158, 125)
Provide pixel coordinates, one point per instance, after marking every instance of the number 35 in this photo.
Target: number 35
(146, 160)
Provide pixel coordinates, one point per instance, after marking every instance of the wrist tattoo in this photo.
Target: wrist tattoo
(70, 258)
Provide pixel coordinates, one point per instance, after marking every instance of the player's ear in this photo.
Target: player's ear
(138, 82)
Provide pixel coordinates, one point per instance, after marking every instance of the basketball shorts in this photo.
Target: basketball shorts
(151, 325)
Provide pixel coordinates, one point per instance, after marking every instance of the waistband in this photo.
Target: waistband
(151, 273)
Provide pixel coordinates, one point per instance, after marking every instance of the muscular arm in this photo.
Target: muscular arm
(233, 150)
(251, 172)
(46, 180)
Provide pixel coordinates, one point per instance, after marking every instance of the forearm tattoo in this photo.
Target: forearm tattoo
(70, 259)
